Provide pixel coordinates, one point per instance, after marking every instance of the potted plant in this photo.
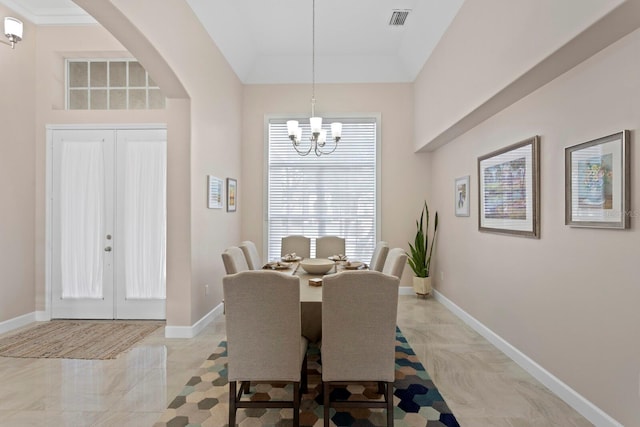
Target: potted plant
(420, 253)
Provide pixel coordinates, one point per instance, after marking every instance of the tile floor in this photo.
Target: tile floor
(482, 386)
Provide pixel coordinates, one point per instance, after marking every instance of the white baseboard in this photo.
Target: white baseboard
(43, 316)
(587, 409)
(196, 328)
(406, 290)
(17, 322)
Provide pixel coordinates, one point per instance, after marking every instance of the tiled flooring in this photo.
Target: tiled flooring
(481, 385)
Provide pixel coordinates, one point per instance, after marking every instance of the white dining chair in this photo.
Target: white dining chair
(264, 340)
(251, 255)
(395, 262)
(359, 345)
(234, 260)
(327, 246)
(379, 256)
(301, 245)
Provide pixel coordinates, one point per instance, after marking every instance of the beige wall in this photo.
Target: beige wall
(203, 136)
(404, 175)
(17, 151)
(215, 93)
(54, 44)
(492, 44)
(569, 300)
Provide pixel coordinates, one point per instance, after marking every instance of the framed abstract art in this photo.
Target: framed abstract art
(461, 194)
(597, 189)
(232, 194)
(509, 190)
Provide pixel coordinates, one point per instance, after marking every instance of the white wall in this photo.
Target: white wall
(569, 300)
(404, 175)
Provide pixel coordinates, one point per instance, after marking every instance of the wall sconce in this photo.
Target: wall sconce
(13, 31)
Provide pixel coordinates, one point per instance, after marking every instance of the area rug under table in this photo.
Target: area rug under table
(82, 339)
(204, 400)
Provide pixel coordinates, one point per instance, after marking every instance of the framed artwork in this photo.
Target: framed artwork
(509, 190)
(232, 194)
(214, 192)
(462, 196)
(597, 190)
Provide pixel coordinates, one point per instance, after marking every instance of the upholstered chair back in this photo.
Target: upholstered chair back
(251, 255)
(234, 260)
(395, 262)
(301, 245)
(264, 338)
(359, 311)
(327, 246)
(379, 256)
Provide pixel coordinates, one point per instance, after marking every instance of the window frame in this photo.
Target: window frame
(147, 87)
(327, 118)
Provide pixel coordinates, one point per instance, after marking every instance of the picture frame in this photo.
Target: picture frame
(509, 190)
(597, 183)
(461, 196)
(232, 194)
(214, 192)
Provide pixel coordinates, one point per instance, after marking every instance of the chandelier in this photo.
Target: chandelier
(318, 138)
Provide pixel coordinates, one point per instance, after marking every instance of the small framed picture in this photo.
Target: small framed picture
(597, 189)
(462, 196)
(232, 194)
(214, 192)
(509, 190)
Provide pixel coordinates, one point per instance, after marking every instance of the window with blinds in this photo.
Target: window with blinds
(335, 194)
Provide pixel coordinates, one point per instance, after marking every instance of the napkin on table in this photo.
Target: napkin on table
(290, 257)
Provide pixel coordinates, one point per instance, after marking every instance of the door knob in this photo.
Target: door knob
(107, 249)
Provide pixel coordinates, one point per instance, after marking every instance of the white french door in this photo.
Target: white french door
(108, 223)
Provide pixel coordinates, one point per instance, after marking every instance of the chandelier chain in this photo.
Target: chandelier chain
(313, 57)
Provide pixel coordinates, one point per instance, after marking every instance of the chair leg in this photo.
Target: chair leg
(389, 399)
(325, 391)
(244, 387)
(296, 404)
(232, 403)
(304, 376)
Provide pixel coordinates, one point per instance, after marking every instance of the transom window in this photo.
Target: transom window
(111, 84)
(335, 194)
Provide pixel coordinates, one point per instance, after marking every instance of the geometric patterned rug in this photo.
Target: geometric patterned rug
(204, 400)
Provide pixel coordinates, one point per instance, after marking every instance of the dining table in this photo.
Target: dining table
(311, 297)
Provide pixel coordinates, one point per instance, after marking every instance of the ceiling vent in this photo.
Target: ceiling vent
(398, 17)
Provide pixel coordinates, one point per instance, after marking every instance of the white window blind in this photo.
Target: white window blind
(334, 194)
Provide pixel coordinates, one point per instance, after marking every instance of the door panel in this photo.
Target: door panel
(141, 223)
(82, 270)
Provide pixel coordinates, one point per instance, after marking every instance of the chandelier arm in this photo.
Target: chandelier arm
(321, 151)
(301, 153)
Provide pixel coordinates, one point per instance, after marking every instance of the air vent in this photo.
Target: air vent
(398, 17)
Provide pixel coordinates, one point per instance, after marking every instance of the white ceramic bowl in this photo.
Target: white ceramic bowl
(316, 265)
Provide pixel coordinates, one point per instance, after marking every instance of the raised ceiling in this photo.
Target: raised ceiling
(269, 41)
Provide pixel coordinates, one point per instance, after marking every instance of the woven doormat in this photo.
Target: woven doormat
(69, 339)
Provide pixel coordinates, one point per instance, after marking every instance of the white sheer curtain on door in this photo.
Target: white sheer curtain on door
(82, 219)
(144, 234)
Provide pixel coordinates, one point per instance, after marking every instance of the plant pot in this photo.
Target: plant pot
(422, 286)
